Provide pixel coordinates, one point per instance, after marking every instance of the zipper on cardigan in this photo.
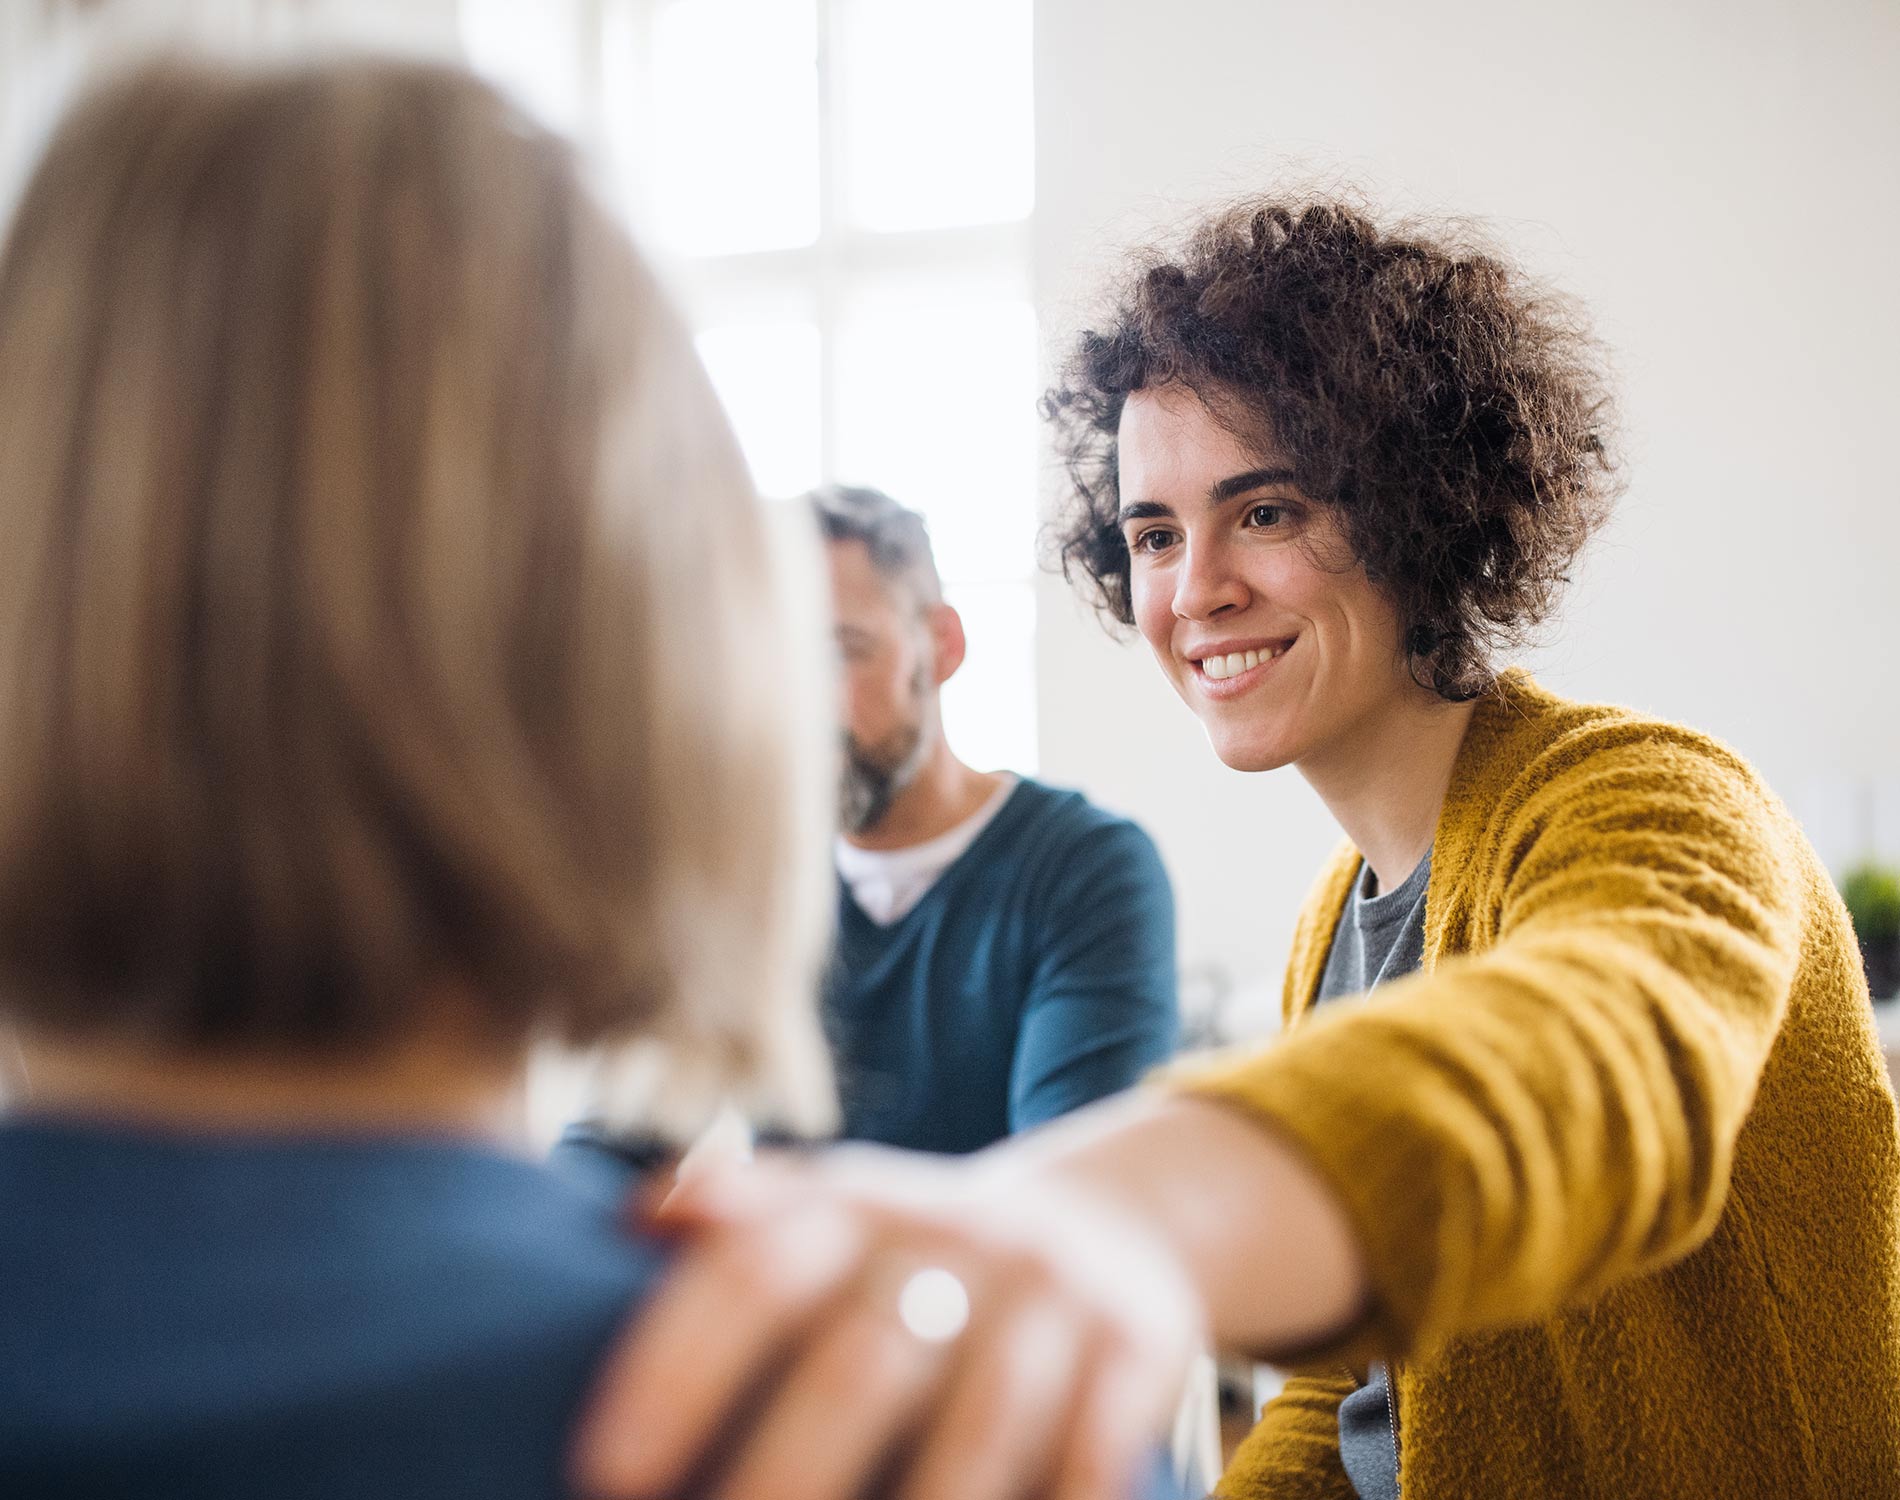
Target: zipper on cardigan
(1392, 1416)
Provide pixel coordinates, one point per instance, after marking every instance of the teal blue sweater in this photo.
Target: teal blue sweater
(200, 1317)
(209, 1317)
(1036, 975)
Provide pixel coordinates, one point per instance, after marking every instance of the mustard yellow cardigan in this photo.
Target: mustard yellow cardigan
(1623, 1157)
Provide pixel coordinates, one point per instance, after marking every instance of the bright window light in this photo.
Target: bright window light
(938, 122)
(989, 707)
(734, 156)
(936, 404)
(532, 51)
(767, 375)
(839, 190)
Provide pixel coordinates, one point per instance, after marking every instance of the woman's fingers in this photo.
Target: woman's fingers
(719, 1318)
(726, 1193)
(999, 1424)
(1077, 1314)
(857, 1387)
(1111, 1432)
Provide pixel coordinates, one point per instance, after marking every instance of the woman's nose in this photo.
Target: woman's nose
(1207, 585)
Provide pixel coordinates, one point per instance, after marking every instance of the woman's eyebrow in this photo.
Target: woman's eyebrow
(1141, 510)
(1227, 489)
(1241, 484)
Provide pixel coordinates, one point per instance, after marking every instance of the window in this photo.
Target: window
(840, 191)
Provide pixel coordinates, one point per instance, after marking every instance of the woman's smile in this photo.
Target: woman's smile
(1222, 672)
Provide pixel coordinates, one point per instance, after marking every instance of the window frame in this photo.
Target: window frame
(816, 281)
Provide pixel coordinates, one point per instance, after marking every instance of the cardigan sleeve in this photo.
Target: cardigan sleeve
(1557, 1110)
(1293, 1451)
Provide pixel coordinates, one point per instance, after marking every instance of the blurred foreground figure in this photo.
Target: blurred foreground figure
(1598, 1195)
(1005, 949)
(381, 690)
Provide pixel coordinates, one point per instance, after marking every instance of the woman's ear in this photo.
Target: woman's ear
(947, 642)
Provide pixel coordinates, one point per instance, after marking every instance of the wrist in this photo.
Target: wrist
(1258, 1233)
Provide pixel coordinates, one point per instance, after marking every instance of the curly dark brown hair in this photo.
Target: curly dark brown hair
(1455, 416)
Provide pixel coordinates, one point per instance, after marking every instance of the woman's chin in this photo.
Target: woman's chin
(1248, 752)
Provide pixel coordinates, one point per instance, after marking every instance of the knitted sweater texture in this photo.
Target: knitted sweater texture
(1623, 1157)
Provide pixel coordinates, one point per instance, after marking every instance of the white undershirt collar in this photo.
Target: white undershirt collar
(887, 884)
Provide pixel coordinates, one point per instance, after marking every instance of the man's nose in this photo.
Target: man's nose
(1207, 584)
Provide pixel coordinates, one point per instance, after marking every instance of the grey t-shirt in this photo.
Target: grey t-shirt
(1378, 938)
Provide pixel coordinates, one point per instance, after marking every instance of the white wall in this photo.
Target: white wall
(50, 47)
(1718, 183)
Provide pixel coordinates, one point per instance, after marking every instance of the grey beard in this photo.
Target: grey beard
(870, 782)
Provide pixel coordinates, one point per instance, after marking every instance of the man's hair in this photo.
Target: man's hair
(383, 599)
(1454, 417)
(896, 537)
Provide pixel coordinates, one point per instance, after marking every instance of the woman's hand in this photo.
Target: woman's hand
(776, 1345)
(1098, 1254)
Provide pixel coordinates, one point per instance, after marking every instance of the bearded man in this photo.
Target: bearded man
(1005, 949)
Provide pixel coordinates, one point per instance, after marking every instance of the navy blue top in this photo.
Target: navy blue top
(218, 1317)
(1036, 975)
(224, 1319)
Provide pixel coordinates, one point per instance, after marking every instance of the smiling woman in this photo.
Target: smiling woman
(1245, 589)
(1453, 416)
(1598, 1193)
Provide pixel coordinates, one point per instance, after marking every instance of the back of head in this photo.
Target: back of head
(386, 609)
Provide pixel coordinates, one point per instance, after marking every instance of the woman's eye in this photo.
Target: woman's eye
(1265, 515)
(1152, 540)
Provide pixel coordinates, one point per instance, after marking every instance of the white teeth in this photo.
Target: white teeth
(1220, 668)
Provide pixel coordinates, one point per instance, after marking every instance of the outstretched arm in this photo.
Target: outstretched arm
(1095, 1266)
(1528, 1125)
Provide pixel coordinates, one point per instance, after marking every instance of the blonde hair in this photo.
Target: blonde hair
(384, 604)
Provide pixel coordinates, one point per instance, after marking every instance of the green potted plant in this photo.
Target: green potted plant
(1872, 893)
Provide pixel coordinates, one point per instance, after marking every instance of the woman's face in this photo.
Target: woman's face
(1247, 593)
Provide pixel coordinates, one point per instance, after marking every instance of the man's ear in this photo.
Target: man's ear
(947, 643)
